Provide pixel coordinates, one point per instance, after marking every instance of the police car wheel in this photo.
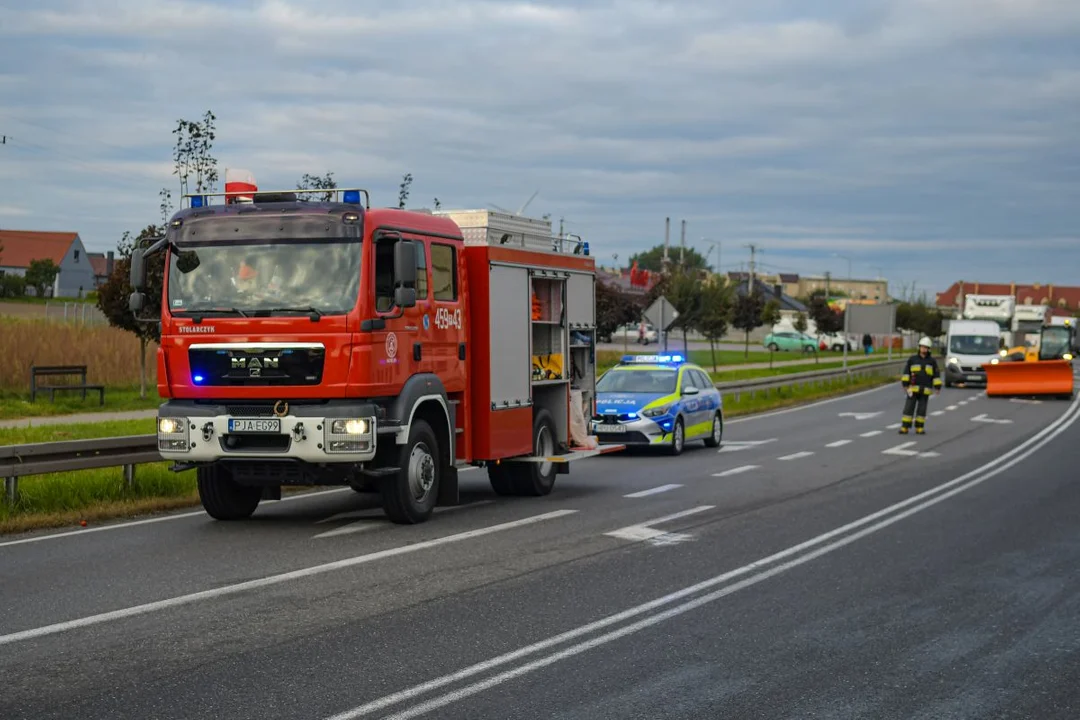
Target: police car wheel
(717, 433)
(678, 438)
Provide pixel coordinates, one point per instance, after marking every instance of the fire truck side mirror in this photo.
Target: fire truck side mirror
(405, 297)
(405, 266)
(138, 269)
(136, 302)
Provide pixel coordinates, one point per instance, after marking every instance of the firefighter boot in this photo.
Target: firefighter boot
(920, 425)
(905, 424)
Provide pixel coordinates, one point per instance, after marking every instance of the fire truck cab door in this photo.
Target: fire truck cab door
(396, 304)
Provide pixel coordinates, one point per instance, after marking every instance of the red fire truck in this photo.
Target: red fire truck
(308, 339)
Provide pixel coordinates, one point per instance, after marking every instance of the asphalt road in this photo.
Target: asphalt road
(818, 565)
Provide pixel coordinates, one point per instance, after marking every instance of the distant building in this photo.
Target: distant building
(103, 264)
(801, 286)
(1061, 298)
(18, 248)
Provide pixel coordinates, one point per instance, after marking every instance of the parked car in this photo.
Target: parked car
(630, 333)
(835, 342)
(790, 340)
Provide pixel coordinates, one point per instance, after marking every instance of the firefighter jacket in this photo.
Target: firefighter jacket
(922, 373)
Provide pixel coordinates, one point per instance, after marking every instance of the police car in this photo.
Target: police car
(657, 400)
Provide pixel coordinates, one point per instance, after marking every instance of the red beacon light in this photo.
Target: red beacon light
(240, 186)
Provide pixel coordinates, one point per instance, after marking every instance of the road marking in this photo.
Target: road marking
(953, 487)
(652, 491)
(642, 531)
(900, 450)
(893, 426)
(938, 412)
(859, 415)
(872, 433)
(952, 407)
(134, 523)
(1025, 401)
(796, 456)
(275, 579)
(984, 419)
(736, 471)
(737, 445)
(838, 443)
(367, 516)
(797, 408)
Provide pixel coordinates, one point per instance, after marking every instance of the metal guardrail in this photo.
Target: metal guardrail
(128, 451)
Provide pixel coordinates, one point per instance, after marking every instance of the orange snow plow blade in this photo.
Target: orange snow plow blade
(1041, 377)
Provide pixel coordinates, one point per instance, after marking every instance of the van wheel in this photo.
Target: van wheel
(222, 497)
(409, 496)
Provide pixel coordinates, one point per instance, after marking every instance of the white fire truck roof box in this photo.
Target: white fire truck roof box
(488, 227)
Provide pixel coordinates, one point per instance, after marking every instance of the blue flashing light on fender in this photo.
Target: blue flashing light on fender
(351, 196)
(198, 379)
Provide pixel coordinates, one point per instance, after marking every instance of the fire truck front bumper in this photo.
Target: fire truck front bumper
(345, 432)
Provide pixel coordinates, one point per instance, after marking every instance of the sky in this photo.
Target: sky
(925, 141)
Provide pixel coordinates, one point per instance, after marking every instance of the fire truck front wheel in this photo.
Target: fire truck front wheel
(409, 496)
(222, 497)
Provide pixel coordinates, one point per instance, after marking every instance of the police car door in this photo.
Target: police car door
(691, 404)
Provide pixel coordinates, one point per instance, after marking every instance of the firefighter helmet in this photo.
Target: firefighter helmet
(925, 342)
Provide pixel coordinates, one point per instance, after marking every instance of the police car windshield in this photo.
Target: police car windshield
(322, 275)
(974, 344)
(639, 380)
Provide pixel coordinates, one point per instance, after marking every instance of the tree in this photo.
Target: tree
(40, 275)
(717, 301)
(192, 156)
(653, 259)
(827, 320)
(748, 312)
(800, 324)
(684, 293)
(317, 182)
(113, 294)
(166, 206)
(438, 205)
(403, 190)
(614, 308)
(770, 314)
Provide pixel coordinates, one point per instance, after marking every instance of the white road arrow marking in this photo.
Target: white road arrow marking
(737, 445)
(643, 533)
(902, 450)
(983, 418)
(860, 416)
(736, 471)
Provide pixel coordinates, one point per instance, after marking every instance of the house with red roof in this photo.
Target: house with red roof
(1062, 299)
(19, 247)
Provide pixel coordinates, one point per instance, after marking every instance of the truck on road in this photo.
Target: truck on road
(322, 342)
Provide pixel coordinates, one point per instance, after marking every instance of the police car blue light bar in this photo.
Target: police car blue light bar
(653, 359)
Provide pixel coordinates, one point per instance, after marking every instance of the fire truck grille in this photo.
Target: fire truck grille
(263, 366)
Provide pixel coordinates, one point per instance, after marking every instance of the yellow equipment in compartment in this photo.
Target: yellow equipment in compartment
(547, 367)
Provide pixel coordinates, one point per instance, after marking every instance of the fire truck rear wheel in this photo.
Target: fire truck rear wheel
(222, 497)
(539, 478)
(409, 496)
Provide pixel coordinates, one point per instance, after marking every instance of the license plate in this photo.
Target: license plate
(611, 428)
(254, 425)
(975, 378)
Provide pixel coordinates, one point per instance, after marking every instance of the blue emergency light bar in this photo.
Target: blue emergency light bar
(653, 359)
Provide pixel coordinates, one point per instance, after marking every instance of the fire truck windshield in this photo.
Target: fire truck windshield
(251, 278)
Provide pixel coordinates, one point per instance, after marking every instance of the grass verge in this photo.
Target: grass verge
(66, 499)
(117, 399)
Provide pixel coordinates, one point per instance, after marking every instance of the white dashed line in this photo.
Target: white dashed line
(952, 407)
(892, 427)
(838, 443)
(938, 412)
(796, 456)
(652, 491)
(736, 471)
(872, 433)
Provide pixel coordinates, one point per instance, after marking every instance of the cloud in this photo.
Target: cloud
(929, 138)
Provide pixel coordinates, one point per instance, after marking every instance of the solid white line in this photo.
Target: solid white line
(838, 443)
(736, 471)
(1029, 447)
(274, 579)
(652, 491)
(796, 456)
(134, 523)
(872, 433)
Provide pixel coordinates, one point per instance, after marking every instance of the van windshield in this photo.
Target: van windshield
(974, 344)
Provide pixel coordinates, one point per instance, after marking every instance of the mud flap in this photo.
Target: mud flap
(271, 492)
(448, 488)
(1041, 377)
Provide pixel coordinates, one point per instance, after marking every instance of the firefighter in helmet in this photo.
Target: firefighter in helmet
(920, 378)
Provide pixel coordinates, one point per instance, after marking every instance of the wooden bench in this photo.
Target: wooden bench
(38, 371)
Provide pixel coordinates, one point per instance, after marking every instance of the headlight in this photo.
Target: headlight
(1067, 356)
(343, 435)
(172, 433)
(657, 411)
(953, 361)
(995, 361)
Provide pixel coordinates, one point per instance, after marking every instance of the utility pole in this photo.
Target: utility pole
(753, 253)
(682, 246)
(827, 295)
(667, 240)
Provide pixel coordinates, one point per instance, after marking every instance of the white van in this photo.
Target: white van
(969, 345)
